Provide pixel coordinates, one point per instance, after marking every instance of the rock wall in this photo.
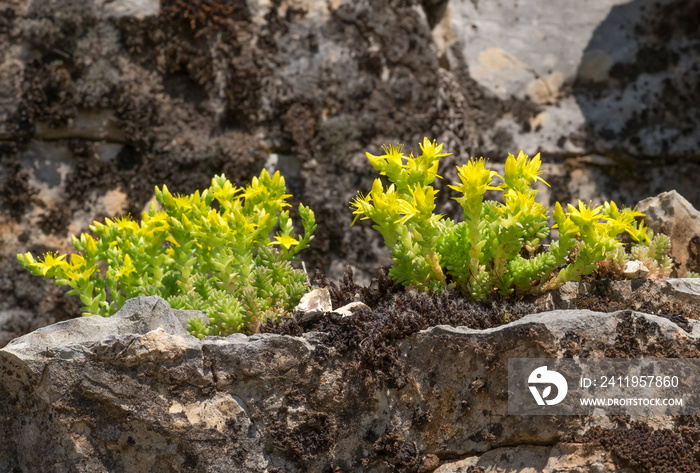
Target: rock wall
(135, 393)
(101, 101)
(613, 75)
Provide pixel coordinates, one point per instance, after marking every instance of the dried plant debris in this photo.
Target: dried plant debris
(312, 432)
(347, 291)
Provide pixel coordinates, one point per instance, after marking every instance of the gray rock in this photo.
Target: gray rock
(669, 213)
(136, 393)
(560, 458)
(680, 295)
(565, 296)
(15, 323)
(137, 316)
(347, 309)
(597, 73)
(147, 93)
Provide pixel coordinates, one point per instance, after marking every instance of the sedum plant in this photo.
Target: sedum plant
(651, 250)
(496, 248)
(210, 251)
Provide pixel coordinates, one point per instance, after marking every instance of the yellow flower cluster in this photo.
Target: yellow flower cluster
(497, 247)
(193, 254)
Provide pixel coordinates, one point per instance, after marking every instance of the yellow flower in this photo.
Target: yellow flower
(224, 193)
(50, 262)
(267, 189)
(391, 164)
(124, 222)
(585, 215)
(90, 245)
(172, 240)
(392, 158)
(407, 209)
(639, 233)
(476, 179)
(624, 220)
(155, 219)
(362, 205)
(519, 202)
(126, 269)
(423, 199)
(77, 268)
(431, 150)
(216, 221)
(285, 241)
(522, 168)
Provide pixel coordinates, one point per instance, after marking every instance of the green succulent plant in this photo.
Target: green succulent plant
(210, 251)
(496, 247)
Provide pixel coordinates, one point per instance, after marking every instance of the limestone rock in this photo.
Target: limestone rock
(669, 213)
(313, 304)
(586, 74)
(565, 296)
(147, 93)
(136, 393)
(347, 310)
(560, 458)
(668, 295)
(635, 270)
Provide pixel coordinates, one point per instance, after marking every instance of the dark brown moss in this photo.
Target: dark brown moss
(54, 221)
(647, 450)
(369, 337)
(401, 454)
(15, 191)
(313, 434)
(202, 17)
(47, 93)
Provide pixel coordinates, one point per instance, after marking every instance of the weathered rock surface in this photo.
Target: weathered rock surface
(669, 296)
(135, 393)
(561, 458)
(579, 80)
(669, 213)
(101, 101)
